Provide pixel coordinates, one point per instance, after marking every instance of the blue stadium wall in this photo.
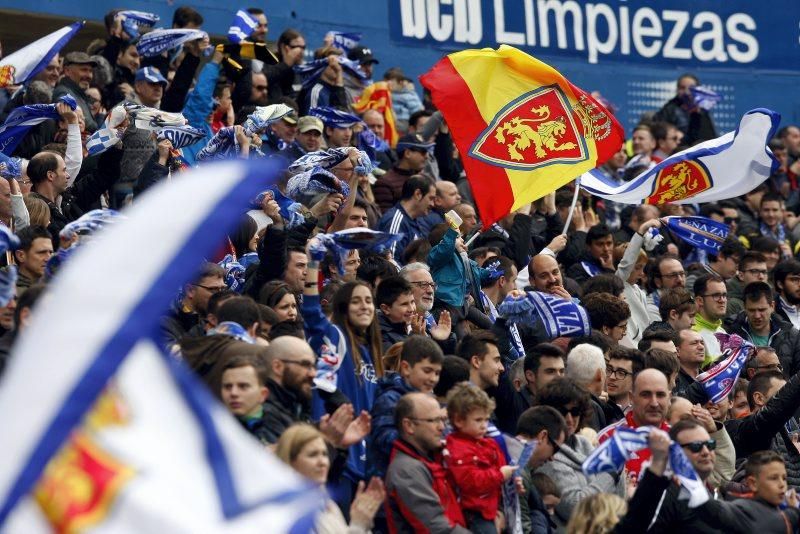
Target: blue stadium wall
(629, 50)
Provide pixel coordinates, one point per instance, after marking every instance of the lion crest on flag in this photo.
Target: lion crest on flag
(545, 136)
(679, 181)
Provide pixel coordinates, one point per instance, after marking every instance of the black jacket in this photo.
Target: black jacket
(391, 333)
(674, 515)
(689, 388)
(515, 244)
(282, 409)
(745, 516)
(784, 338)
(578, 273)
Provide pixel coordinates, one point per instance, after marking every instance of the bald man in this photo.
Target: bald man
(447, 198)
(650, 402)
(375, 122)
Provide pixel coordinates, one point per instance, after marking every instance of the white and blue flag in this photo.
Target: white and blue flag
(345, 41)
(23, 118)
(717, 169)
(700, 232)
(242, 27)
(27, 62)
(121, 437)
(704, 97)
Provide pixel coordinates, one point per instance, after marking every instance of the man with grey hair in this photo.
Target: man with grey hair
(418, 275)
(586, 365)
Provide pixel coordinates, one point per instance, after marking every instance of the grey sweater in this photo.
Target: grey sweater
(573, 484)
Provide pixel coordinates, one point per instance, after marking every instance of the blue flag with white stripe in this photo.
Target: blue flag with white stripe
(23, 118)
(242, 27)
(700, 232)
(718, 169)
(167, 456)
(27, 62)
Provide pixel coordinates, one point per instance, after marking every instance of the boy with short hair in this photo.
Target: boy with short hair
(244, 390)
(477, 464)
(395, 300)
(420, 365)
(765, 473)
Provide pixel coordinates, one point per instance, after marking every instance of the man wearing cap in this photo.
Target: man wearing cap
(309, 134)
(78, 75)
(338, 126)
(352, 85)
(412, 152)
(280, 139)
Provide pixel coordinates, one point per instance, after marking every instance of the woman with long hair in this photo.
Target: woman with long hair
(349, 351)
(303, 447)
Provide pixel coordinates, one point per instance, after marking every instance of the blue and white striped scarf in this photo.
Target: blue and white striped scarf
(157, 41)
(24, 118)
(242, 27)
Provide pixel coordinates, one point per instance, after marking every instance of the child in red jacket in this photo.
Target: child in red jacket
(476, 463)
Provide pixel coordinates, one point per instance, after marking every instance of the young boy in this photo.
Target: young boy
(551, 495)
(244, 391)
(420, 365)
(765, 474)
(476, 463)
(395, 298)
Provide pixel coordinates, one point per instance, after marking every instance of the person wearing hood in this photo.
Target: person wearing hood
(574, 403)
(420, 365)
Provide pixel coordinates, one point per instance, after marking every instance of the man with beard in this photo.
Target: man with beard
(787, 285)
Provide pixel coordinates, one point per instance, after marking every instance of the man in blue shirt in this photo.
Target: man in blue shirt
(416, 201)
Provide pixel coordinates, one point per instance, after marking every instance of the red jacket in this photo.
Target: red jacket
(639, 459)
(475, 466)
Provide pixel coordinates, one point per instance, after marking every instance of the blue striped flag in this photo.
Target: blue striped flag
(168, 454)
(24, 118)
(242, 27)
(157, 41)
(27, 62)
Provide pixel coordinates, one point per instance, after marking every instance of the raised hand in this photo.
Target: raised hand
(366, 503)
(443, 327)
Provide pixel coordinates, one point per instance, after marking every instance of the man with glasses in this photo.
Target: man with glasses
(759, 324)
(787, 285)
(622, 364)
(191, 310)
(418, 275)
(419, 495)
(765, 359)
(752, 268)
(711, 298)
(667, 273)
(292, 366)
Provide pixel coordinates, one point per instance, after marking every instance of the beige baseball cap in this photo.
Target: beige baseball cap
(307, 123)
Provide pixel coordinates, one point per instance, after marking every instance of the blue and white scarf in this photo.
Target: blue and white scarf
(234, 273)
(181, 136)
(342, 242)
(135, 22)
(345, 41)
(10, 167)
(24, 118)
(153, 43)
(311, 71)
(242, 27)
(232, 329)
(335, 118)
(719, 381)
(700, 232)
(560, 317)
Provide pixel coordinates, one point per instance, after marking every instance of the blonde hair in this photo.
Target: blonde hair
(294, 439)
(597, 514)
(38, 209)
(464, 398)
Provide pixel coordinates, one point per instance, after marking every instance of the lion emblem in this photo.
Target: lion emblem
(7, 75)
(544, 138)
(679, 183)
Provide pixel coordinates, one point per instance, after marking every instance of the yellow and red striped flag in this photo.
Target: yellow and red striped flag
(522, 129)
(378, 96)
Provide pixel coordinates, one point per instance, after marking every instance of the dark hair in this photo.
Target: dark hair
(40, 165)
(534, 356)
(682, 425)
(216, 300)
(730, 248)
(369, 338)
(545, 485)
(186, 15)
(761, 383)
(209, 270)
(255, 10)
(267, 314)
(241, 237)
(287, 36)
(437, 233)
(484, 251)
(454, 370)
(771, 197)
(757, 460)
(660, 130)
(596, 338)
(244, 360)
(655, 268)
(29, 234)
(603, 283)
(678, 299)
(417, 348)
(701, 284)
(606, 310)
(749, 258)
(241, 310)
(417, 115)
(417, 182)
(404, 409)
(373, 267)
(27, 301)
(416, 251)
(538, 418)
(563, 391)
(636, 357)
(662, 360)
(273, 292)
(504, 264)
(108, 18)
(657, 335)
(712, 208)
(782, 270)
(597, 232)
(688, 75)
(764, 244)
(754, 291)
(476, 343)
(390, 289)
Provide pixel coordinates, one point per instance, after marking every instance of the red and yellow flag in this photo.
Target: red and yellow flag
(522, 129)
(378, 96)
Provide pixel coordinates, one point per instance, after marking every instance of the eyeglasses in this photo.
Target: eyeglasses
(260, 87)
(212, 289)
(762, 272)
(618, 372)
(681, 274)
(697, 446)
(425, 285)
(717, 296)
(556, 446)
(575, 411)
(771, 367)
(305, 364)
(431, 420)
(729, 220)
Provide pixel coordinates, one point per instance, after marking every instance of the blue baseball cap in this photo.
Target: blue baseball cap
(150, 75)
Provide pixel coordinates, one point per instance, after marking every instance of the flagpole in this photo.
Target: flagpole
(574, 203)
(474, 236)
